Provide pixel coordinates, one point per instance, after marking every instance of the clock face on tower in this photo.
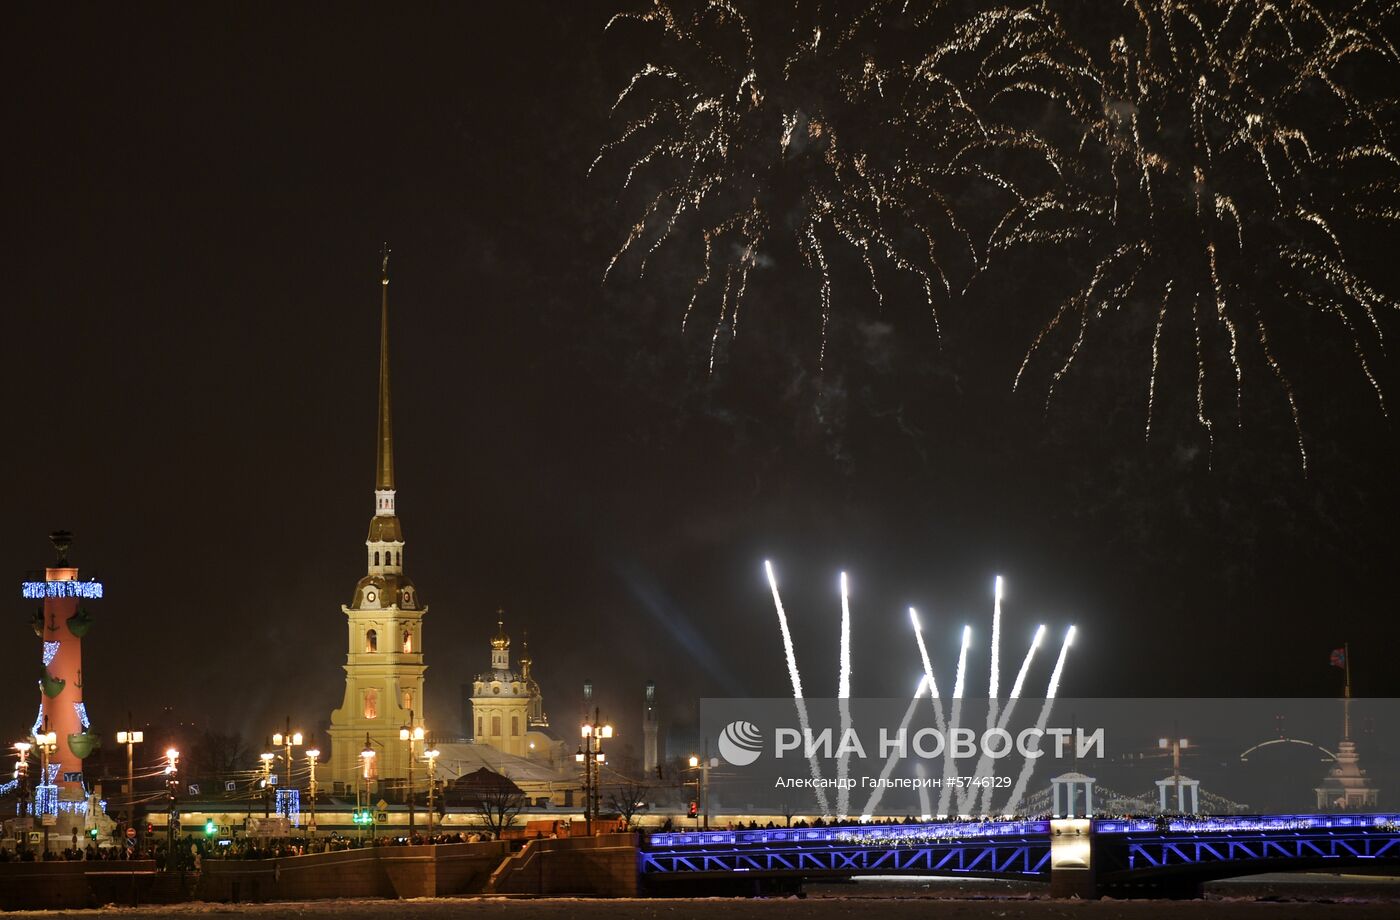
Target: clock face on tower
(370, 596)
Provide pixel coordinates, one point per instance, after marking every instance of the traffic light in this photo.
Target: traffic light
(364, 816)
(210, 828)
(92, 832)
(694, 809)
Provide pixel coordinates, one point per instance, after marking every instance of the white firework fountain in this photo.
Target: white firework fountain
(998, 713)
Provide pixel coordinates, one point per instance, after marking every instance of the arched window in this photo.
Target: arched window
(479, 730)
(407, 642)
(398, 557)
(514, 726)
(371, 641)
(376, 557)
(495, 726)
(371, 704)
(408, 701)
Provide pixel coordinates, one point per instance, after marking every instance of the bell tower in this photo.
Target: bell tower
(384, 620)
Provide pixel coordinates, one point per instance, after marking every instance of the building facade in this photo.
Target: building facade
(507, 708)
(384, 625)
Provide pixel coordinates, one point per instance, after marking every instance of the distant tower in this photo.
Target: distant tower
(501, 700)
(537, 717)
(60, 623)
(649, 758)
(384, 663)
(1346, 787)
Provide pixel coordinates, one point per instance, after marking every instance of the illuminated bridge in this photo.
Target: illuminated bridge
(1088, 858)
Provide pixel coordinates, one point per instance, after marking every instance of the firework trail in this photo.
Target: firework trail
(879, 791)
(796, 683)
(1011, 700)
(954, 721)
(1000, 721)
(1228, 166)
(763, 131)
(843, 698)
(1020, 790)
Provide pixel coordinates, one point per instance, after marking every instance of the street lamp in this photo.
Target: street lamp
(410, 733)
(172, 760)
(367, 757)
(311, 755)
(702, 786)
(46, 740)
(22, 777)
(287, 740)
(431, 757)
(267, 757)
(130, 739)
(590, 754)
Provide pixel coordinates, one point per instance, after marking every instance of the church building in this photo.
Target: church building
(507, 708)
(384, 625)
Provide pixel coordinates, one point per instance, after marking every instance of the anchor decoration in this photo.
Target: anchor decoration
(53, 686)
(80, 622)
(83, 743)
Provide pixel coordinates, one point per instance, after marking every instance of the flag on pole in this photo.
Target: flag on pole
(1339, 658)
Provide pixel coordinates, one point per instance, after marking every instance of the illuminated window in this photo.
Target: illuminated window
(408, 700)
(407, 642)
(371, 704)
(371, 641)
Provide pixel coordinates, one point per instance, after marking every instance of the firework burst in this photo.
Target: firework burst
(856, 137)
(1228, 161)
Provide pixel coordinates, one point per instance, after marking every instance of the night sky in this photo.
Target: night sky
(193, 210)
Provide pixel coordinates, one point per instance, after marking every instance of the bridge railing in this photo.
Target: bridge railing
(887, 834)
(1244, 823)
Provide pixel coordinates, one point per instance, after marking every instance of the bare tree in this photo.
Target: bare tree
(499, 808)
(627, 798)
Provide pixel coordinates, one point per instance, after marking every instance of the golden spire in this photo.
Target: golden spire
(525, 659)
(501, 640)
(384, 459)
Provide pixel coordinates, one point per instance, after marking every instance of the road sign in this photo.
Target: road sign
(230, 785)
(131, 833)
(381, 805)
(381, 817)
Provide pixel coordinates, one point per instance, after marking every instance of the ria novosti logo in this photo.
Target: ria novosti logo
(740, 743)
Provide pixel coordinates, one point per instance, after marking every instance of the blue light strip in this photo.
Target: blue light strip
(42, 589)
(46, 799)
(1243, 823)
(289, 804)
(81, 709)
(50, 651)
(890, 834)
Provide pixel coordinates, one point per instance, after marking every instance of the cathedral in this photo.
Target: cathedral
(507, 708)
(384, 665)
(384, 624)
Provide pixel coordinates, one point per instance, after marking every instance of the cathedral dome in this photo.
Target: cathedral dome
(384, 528)
(376, 591)
(500, 641)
